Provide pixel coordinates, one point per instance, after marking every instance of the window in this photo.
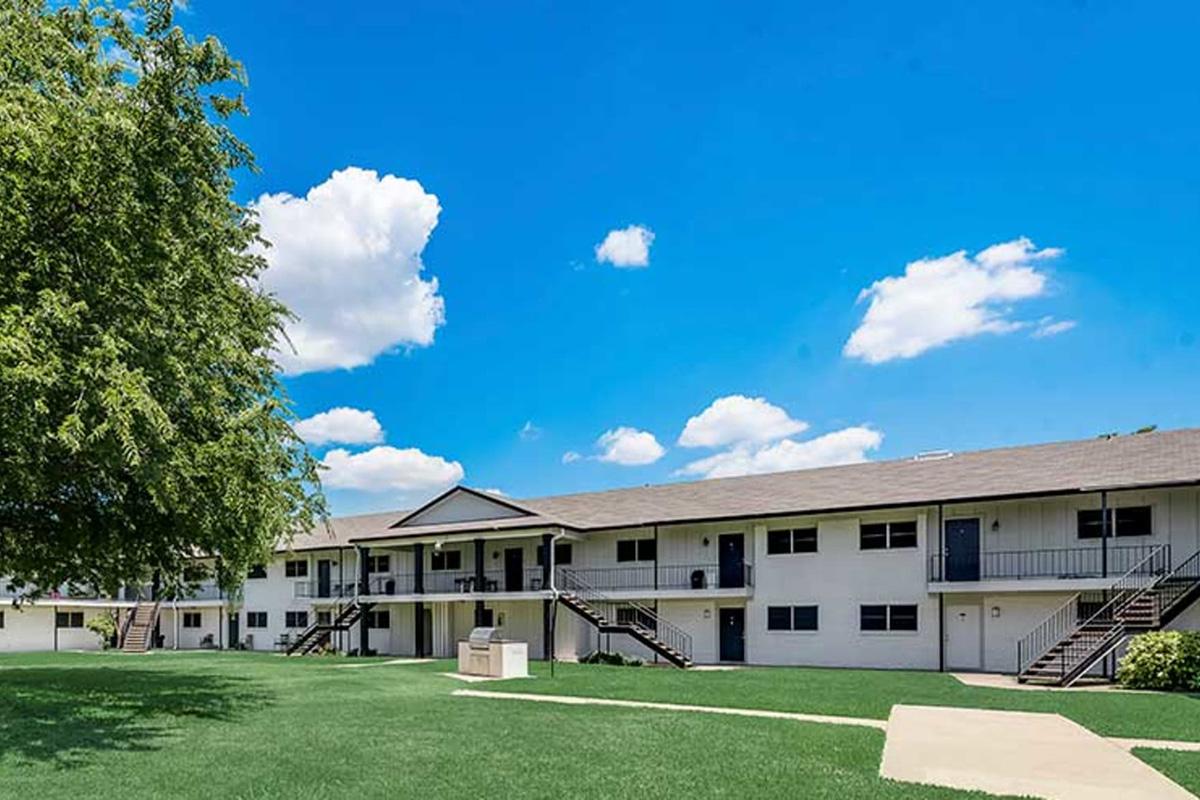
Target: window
(445, 560)
(797, 540)
(68, 619)
(379, 563)
(488, 619)
(1128, 521)
(257, 571)
(324, 617)
(1, 619)
(295, 569)
(637, 550)
(887, 535)
(562, 553)
(888, 618)
(295, 619)
(379, 620)
(256, 619)
(791, 618)
(191, 619)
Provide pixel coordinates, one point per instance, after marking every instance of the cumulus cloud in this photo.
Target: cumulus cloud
(341, 425)
(940, 300)
(529, 431)
(384, 468)
(627, 247)
(570, 457)
(629, 447)
(1048, 326)
(846, 446)
(737, 418)
(346, 259)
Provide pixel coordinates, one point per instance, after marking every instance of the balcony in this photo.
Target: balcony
(666, 577)
(1072, 563)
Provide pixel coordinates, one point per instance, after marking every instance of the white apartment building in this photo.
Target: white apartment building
(1041, 560)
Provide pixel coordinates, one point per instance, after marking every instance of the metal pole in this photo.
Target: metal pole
(1104, 534)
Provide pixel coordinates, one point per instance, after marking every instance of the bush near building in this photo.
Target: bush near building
(1163, 660)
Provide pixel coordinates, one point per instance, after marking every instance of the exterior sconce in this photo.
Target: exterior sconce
(495, 554)
(704, 542)
(995, 525)
(995, 612)
(707, 611)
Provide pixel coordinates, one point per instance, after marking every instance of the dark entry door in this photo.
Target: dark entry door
(733, 634)
(962, 550)
(233, 630)
(514, 569)
(731, 548)
(324, 578)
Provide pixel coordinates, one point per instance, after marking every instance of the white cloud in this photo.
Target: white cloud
(939, 300)
(846, 446)
(570, 457)
(341, 425)
(385, 468)
(629, 447)
(1048, 326)
(346, 259)
(529, 431)
(627, 247)
(737, 418)
(496, 492)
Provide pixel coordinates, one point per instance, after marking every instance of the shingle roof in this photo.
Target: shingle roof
(340, 530)
(1149, 459)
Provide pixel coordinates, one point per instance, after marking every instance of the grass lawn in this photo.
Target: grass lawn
(239, 725)
(867, 693)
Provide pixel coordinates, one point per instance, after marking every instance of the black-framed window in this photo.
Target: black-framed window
(489, 618)
(295, 569)
(295, 619)
(191, 619)
(791, 540)
(257, 571)
(1, 619)
(379, 563)
(792, 618)
(562, 554)
(324, 617)
(897, 535)
(256, 619)
(445, 560)
(901, 617)
(68, 619)
(637, 549)
(1126, 521)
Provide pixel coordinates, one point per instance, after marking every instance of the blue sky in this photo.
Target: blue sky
(785, 159)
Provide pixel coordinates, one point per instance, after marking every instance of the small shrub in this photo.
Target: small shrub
(105, 627)
(1164, 660)
(611, 659)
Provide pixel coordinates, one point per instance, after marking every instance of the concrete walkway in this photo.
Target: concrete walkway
(567, 700)
(1015, 753)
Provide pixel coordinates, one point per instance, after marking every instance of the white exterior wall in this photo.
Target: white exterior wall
(31, 628)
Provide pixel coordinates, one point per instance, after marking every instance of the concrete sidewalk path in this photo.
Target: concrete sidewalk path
(1015, 753)
(571, 700)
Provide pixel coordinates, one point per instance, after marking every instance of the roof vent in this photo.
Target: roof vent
(933, 455)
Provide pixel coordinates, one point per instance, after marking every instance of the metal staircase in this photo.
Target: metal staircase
(138, 633)
(637, 621)
(1077, 636)
(318, 634)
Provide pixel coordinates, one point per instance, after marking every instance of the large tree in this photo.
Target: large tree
(141, 420)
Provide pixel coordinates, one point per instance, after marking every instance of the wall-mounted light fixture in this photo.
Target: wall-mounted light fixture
(495, 554)
(995, 611)
(704, 541)
(995, 525)
(708, 613)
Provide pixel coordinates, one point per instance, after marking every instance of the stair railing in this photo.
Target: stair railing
(1065, 621)
(649, 623)
(125, 627)
(1177, 583)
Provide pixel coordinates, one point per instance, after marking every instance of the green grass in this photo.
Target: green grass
(237, 725)
(867, 693)
(1183, 768)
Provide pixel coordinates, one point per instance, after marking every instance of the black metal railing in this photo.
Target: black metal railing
(318, 590)
(1177, 584)
(1060, 563)
(642, 621)
(665, 577)
(1077, 629)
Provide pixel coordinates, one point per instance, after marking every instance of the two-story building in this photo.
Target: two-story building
(985, 560)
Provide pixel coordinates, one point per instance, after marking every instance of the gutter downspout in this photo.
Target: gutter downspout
(175, 619)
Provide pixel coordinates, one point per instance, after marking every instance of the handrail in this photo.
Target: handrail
(1063, 563)
(661, 630)
(1065, 620)
(1177, 583)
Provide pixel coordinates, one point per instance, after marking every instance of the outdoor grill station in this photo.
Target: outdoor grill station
(487, 654)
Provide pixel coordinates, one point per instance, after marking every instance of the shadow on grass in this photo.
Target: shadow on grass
(66, 717)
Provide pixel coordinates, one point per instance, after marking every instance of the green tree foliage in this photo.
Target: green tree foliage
(141, 421)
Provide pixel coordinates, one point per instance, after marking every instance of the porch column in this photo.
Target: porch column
(418, 568)
(364, 576)
(656, 557)
(547, 573)
(1104, 534)
(155, 590)
(479, 578)
(419, 630)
